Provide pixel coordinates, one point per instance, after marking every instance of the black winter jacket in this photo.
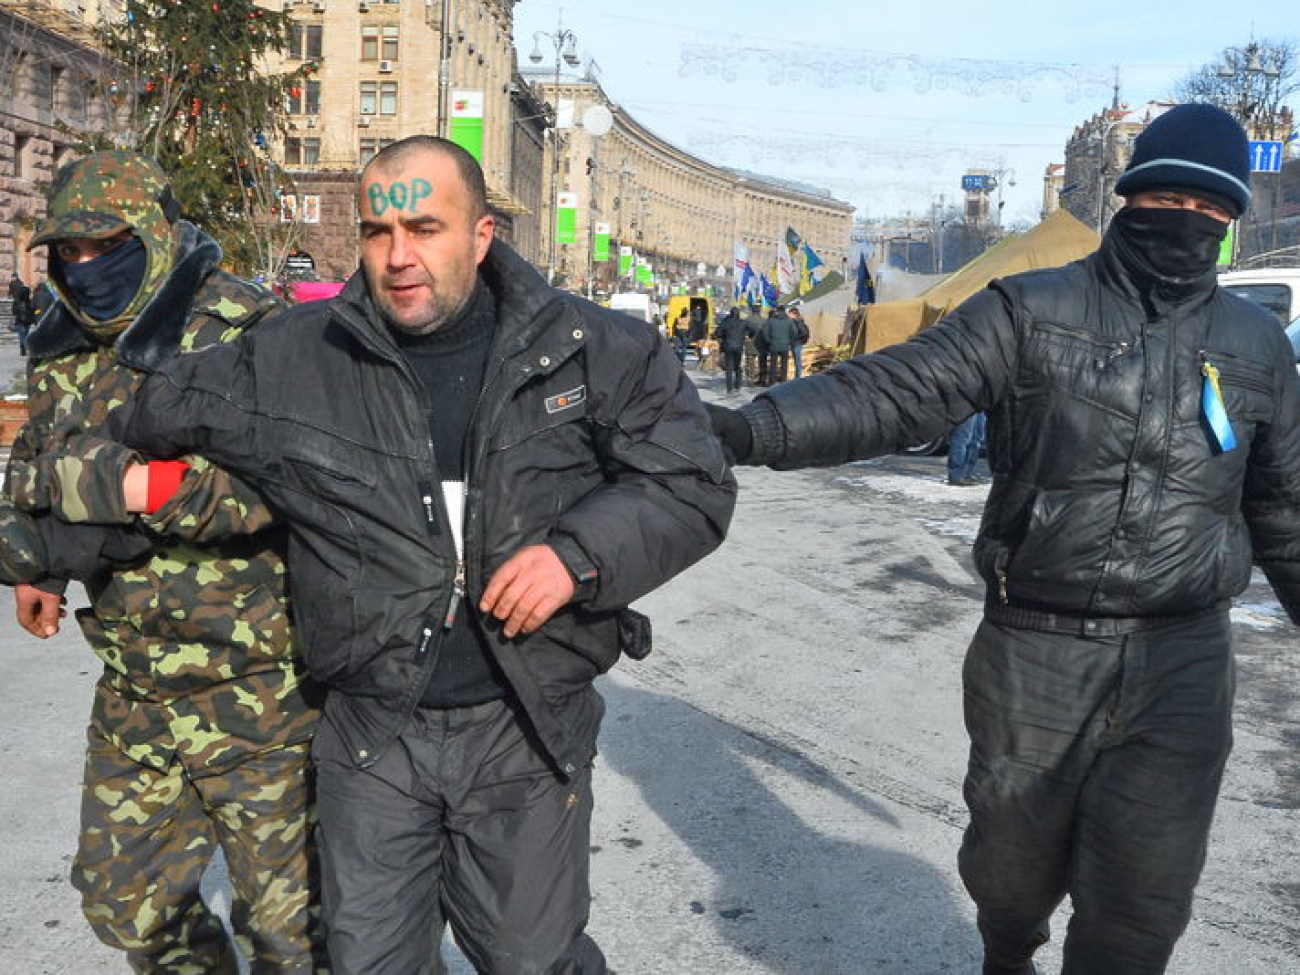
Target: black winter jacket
(1108, 499)
(587, 436)
(731, 332)
(779, 330)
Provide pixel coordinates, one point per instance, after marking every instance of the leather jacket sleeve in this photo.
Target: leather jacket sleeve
(879, 403)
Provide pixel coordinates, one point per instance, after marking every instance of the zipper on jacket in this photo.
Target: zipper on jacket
(425, 636)
(457, 594)
(1236, 376)
(1112, 353)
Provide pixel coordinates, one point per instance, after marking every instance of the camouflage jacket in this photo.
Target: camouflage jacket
(189, 607)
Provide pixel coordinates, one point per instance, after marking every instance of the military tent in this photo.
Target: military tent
(1058, 239)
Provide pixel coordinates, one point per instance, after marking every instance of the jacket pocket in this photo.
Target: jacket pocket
(1059, 556)
(1073, 350)
(327, 559)
(1247, 385)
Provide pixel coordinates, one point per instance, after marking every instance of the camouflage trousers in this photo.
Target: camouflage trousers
(147, 836)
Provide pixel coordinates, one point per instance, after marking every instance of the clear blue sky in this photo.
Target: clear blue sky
(887, 106)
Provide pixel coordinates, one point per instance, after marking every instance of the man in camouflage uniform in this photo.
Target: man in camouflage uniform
(200, 730)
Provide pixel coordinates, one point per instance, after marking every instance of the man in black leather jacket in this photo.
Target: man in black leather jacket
(479, 473)
(1144, 437)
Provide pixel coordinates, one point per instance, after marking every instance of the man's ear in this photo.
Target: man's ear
(484, 229)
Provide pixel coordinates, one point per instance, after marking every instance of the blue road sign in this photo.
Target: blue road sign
(1266, 157)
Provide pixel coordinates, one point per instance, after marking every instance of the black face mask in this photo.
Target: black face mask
(1172, 246)
(102, 288)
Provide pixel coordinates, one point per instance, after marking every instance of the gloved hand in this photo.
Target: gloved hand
(734, 431)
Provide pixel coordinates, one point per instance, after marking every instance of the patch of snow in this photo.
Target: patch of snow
(919, 487)
(1260, 616)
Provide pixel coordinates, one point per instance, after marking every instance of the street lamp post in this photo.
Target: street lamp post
(1253, 72)
(1255, 78)
(1105, 170)
(565, 43)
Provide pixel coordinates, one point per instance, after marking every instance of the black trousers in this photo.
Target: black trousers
(731, 364)
(779, 366)
(1094, 771)
(460, 821)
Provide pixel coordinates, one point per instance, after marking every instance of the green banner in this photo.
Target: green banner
(644, 274)
(566, 218)
(1225, 249)
(600, 243)
(624, 262)
(465, 122)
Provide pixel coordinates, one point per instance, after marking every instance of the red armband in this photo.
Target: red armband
(164, 478)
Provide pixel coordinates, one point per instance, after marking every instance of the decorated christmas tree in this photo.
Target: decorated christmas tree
(195, 93)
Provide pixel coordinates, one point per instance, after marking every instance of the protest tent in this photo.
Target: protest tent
(1059, 239)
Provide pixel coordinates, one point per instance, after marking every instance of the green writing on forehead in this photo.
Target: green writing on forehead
(399, 195)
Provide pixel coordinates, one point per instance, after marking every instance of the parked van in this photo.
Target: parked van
(1274, 288)
(698, 308)
(637, 305)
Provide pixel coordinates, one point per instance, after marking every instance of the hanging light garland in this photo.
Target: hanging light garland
(879, 71)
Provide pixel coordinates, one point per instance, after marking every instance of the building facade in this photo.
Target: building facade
(661, 206)
(1096, 155)
(386, 69)
(381, 70)
(53, 82)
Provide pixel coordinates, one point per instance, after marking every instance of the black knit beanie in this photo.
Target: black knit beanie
(1192, 147)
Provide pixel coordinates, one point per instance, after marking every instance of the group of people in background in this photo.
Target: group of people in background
(777, 341)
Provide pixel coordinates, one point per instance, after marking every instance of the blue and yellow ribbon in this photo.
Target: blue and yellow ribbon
(1213, 409)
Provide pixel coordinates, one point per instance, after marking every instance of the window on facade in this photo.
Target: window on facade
(370, 146)
(389, 44)
(304, 98)
(367, 149)
(307, 41)
(369, 97)
(19, 72)
(58, 89)
(370, 42)
(22, 156)
(388, 98)
(301, 152)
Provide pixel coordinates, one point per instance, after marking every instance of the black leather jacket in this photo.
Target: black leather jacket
(587, 436)
(1108, 499)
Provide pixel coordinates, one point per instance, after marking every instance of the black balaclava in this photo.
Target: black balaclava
(1175, 248)
(103, 287)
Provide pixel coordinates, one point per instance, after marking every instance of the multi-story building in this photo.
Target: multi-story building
(1095, 158)
(53, 82)
(380, 70)
(386, 69)
(661, 205)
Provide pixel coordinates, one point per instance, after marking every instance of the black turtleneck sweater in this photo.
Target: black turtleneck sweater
(450, 364)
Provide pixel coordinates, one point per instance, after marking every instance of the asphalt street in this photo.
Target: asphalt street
(779, 787)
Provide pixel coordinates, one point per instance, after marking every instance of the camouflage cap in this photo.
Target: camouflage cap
(105, 193)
